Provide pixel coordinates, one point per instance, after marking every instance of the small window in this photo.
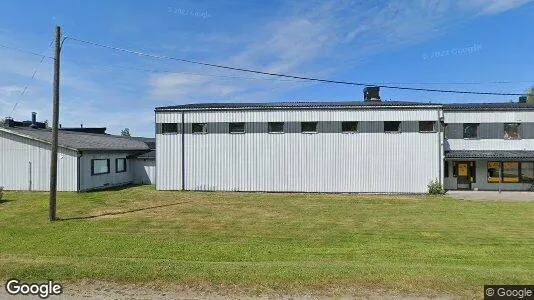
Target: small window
(308, 127)
(427, 126)
(169, 128)
(392, 126)
(237, 127)
(120, 165)
(470, 131)
(511, 131)
(276, 127)
(510, 172)
(199, 128)
(527, 172)
(99, 166)
(349, 127)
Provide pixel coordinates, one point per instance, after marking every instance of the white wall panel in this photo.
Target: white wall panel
(488, 116)
(169, 161)
(374, 163)
(168, 117)
(88, 181)
(144, 171)
(489, 144)
(312, 115)
(19, 154)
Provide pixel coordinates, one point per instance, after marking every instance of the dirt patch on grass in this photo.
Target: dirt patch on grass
(90, 289)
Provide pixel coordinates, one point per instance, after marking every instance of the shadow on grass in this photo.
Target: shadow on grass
(4, 201)
(113, 188)
(123, 212)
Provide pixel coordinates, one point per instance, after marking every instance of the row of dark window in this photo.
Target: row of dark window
(471, 131)
(102, 166)
(305, 127)
(508, 171)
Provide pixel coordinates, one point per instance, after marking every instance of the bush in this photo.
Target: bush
(435, 188)
(1, 191)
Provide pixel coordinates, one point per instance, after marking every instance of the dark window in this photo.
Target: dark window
(470, 131)
(427, 126)
(348, 127)
(169, 128)
(310, 127)
(392, 126)
(454, 169)
(527, 171)
(120, 165)
(276, 127)
(237, 127)
(494, 171)
(199, 128)
(510, 172)
(511, 131)
(99, 166)
(446, 168)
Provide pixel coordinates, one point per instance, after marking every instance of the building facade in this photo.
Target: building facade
(360, 147)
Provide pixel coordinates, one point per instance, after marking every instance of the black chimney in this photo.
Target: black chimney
(34, 120)
(523, 99)
(371, 93)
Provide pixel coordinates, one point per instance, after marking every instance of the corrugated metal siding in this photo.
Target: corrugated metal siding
(169, 154)
(324, 162)
(308, 115)
(16, 154)
(488, 116)
(403, 162)
(144, 171)
(88, 181)
(489, 144)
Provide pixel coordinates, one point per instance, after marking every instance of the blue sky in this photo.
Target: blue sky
(416, 43)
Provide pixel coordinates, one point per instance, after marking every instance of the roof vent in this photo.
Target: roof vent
(371, 93)
(523, 99)
(34, 120)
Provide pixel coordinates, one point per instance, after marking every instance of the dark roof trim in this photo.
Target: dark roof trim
(488, 106)
(489, 154)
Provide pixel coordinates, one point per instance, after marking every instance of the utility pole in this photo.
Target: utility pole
(55, 121)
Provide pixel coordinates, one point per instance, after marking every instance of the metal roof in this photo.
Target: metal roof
(351, 104)
(489, 106)
(81, 140)
(489, 154)
(281, 105)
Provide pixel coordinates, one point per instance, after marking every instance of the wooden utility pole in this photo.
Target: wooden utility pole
(55, 121)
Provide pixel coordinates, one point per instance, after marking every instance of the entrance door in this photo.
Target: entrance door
(463, 179)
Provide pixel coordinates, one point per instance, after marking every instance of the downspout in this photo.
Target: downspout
(440, 154)
(30, 175)
(183, 154)
(78, 171)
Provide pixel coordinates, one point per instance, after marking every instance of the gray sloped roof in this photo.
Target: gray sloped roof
(489, 154)
(82, 140)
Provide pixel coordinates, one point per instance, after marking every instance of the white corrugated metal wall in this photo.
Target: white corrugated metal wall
(295, 162)
(168, 154)
(88, 181)
(18, 153)
(144, 170)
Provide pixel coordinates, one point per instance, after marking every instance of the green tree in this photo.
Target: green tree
(125, 132)
(530, 97)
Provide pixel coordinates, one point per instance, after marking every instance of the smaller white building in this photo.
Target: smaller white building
(86, 161)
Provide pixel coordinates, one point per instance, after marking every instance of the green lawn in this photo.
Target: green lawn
(407, 243)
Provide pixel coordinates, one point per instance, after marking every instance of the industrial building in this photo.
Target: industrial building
(369, 146)
(88, 158)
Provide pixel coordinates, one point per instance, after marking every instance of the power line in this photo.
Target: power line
(24, 51)
(139, 53)
(109, 66)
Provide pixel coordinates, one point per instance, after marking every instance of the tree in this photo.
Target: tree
(530, 97)
(125, 132)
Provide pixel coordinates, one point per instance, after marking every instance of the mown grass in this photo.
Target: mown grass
(280, 241)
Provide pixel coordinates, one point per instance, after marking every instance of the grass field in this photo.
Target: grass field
(277, 241)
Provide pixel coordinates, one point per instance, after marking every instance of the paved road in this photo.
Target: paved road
(492, 196)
